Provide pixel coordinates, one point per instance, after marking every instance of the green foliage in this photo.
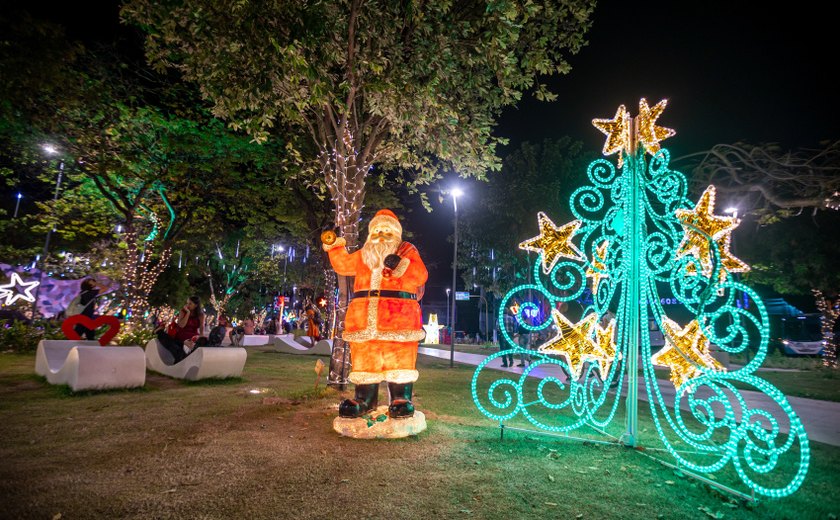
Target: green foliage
(19, 336)
(138, 335)
(535, 177)
(793, 255)
(172, 288)
(140, 151)
(419, 85)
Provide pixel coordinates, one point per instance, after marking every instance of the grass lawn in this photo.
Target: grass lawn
(814, 384)
(215, 450)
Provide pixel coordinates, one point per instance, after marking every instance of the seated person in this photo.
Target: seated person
(218, 333)
(248, 326)
(192, 344)
(185, 326)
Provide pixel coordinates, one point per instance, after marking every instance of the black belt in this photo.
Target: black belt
(384, 294)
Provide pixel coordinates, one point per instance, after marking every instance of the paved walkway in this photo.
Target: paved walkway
(820, 418)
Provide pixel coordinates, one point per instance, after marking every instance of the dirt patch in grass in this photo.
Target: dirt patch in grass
(217, 450)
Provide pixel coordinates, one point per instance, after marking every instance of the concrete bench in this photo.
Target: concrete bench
(253, 340)
(288, 344)
(203, 363)
(84, 365)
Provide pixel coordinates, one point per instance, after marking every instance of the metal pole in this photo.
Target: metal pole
(17, 205)
(448, 294)
(736, 276)
(55, 198)
(454, 287)
(46, 244)
(632, 202)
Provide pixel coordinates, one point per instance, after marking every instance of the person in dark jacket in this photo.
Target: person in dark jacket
(91, 289)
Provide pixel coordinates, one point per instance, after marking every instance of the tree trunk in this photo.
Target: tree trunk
(140, 274)
(345, 175)
(829, 318)
(329, 311)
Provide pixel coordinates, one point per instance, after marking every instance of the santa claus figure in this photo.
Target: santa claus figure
(383, 323)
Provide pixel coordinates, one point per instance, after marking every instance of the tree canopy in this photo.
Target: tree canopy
(534, 177)
(419, 85)
(144, 165)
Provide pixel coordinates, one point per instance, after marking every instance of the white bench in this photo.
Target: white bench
(204, 363)
(84, 365)
(253, 340)
(288, 344)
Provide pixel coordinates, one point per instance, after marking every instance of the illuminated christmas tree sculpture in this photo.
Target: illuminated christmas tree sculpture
(654, 262)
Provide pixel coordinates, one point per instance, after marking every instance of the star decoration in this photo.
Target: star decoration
(573, 341)
(11, 294)
(617, 131)
(553, 242)
(649, 134)
(686, 352)
(729, 262)
(598, 269)
(702, 227)
(605, 340)
(432, 330)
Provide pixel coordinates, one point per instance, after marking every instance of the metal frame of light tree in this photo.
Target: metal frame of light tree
(638, 237)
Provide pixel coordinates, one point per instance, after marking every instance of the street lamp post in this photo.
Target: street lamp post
(285, 260)
(455, 192)
(734, 212)
(50, 150)
(17, 204)
(448, 291)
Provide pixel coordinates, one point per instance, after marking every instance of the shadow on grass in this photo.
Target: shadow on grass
(313, 394)
(66, 391)
(215, 381)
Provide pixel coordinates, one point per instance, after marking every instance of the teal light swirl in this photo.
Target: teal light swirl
(709, 413)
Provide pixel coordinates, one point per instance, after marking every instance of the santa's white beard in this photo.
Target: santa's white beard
(373, 253)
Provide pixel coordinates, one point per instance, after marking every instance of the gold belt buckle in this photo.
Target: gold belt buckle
(374, 293)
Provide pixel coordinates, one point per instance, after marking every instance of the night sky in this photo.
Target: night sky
(731, 71)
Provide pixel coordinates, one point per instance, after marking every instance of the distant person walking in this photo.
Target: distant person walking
(504, 346)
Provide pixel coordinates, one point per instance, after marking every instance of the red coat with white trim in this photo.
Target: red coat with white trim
(379, 318)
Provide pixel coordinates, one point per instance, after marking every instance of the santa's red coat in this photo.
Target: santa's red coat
(382, 318)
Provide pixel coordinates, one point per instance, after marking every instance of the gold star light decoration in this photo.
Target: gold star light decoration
(605, 341)
(573, 341)
(623, 135)
(649, 134)
(617, 131)
(702, 227)
(598, 269)
(686, 352)
(553, 242)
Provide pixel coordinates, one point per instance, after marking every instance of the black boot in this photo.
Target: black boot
(401, 407)
(367, 399)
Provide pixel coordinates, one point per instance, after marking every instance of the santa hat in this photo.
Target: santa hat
(387, 218)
